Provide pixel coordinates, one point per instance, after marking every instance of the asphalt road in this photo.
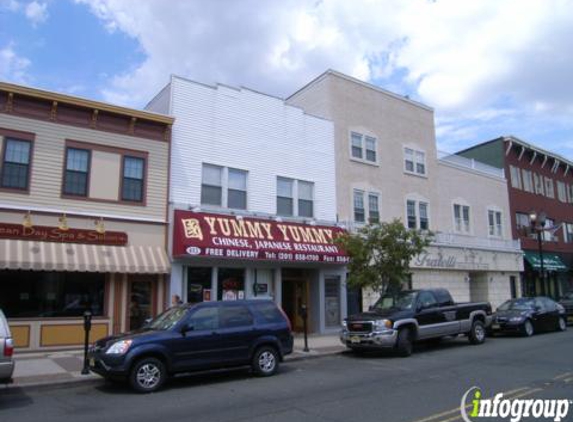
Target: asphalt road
(426, 387)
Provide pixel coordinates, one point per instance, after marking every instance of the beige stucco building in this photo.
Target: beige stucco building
(83, 216)
(387, 166)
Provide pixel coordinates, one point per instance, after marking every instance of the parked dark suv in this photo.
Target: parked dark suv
(195, 337)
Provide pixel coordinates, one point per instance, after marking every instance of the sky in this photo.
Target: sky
(487, 67)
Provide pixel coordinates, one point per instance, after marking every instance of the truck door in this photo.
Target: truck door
(428, 315)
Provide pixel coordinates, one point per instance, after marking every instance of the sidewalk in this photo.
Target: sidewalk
(49, 368)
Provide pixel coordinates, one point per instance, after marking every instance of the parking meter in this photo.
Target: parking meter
(87, 328)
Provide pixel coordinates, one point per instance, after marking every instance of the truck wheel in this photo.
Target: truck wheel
(147, 375)
(404, 344)
(477, 332)
(265, 361)
(528, 329)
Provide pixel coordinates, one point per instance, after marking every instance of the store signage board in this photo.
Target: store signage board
(54, 234)
(226, 236)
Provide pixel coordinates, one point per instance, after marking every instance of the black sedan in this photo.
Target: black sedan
(567, 302)
(528, 315)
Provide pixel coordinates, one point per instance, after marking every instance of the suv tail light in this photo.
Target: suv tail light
(8, 347)
(286, 317)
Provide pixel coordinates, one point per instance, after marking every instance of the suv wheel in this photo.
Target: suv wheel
(265, 361)
(404, 344)
(562, 324)
(477, 332)
(528, 330)
(147, 375)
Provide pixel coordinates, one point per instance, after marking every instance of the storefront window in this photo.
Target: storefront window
(332, 301)
(35, 294)
(198, 284)
(231, 283)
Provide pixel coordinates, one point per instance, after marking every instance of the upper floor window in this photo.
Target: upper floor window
(417, 215)
(133, 177)
(548, 235)
(538, 182)
(363, 147)
(522, 220)
(569, 189)
(462, 218)
(527, 180)
(359, 211)
(549, 188)
(77, 172)
(515, 177)
(494, 223)
(373, 208)
(363, 213)
(295, 197)
(16, 164)
(224, 187)
(561, 191)
(414, 161)
(568, 232)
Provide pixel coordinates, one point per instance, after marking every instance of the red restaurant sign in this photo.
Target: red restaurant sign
(54, 234)
(223, 236)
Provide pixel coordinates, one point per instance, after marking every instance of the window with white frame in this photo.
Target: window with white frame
(295, 197)
(359, 211)
(527, 180)
(373, 208)
(462, 218)
(224, 187)
(549, 188)
(417, 215)
(522, 221)
(538, 182)
(568, 232)
(494, 223)
(414, 161)
(515, 177)
(570, 194)
(366, 206)
(547, 234)
(363, 147)
(561, 191)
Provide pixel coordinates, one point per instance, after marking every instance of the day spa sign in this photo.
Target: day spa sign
(223, 236)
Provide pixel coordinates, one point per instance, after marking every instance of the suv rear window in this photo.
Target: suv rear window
(235, 316)
(269, 312)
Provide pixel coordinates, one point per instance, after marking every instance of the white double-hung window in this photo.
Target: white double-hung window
(462, 218)
(363, 147)
(494, 223)
(366, 209)
(224, 187)
(417, 214)
(295, 197)
(414, 161)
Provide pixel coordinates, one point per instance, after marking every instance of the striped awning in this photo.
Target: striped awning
(51, 256)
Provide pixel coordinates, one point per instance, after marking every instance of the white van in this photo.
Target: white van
(6, 351)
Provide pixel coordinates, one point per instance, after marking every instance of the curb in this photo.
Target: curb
(60, 383)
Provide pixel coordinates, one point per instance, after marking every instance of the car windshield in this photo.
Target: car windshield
(168, 319)
(401, 301)
(517, 305)
(568, 296)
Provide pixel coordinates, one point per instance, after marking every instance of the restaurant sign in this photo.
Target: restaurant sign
(55, 234)
(224, 236)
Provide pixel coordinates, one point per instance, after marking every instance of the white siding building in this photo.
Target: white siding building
(245, 156)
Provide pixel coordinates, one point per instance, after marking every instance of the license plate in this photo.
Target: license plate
(354, 339)
(495, 326)
(92, 362)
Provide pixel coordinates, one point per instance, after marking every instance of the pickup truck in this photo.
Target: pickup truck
(397, 321)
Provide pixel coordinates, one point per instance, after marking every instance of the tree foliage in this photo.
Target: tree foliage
(380, 254)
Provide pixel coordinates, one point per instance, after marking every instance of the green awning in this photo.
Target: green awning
(551, 262)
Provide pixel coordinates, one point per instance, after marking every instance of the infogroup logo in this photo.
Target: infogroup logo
(513, 409)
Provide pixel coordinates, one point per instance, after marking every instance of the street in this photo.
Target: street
(426, 387)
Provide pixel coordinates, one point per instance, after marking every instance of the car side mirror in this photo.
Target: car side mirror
(186, 328)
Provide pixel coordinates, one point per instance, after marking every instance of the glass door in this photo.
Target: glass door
(140, 306)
